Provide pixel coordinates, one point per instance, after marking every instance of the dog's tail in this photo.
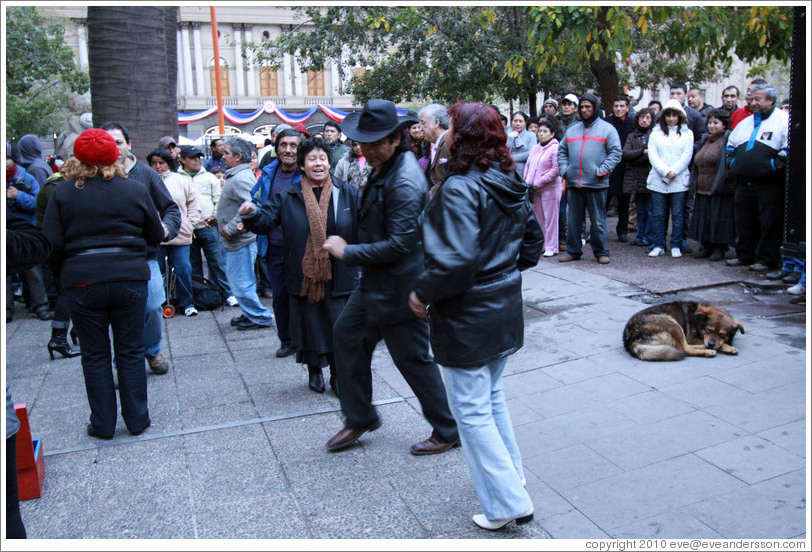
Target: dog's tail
(657, 352)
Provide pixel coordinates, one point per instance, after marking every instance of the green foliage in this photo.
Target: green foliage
(412, 53)
(40, 74)
(656, 44)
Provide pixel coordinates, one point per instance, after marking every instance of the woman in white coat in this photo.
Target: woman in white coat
(670, 148)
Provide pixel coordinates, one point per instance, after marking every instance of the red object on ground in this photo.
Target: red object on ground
(30, 463)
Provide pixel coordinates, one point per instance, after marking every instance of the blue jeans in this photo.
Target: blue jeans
(240, 272)
(207, 240)
(643, 205)
(478, 404)
(659, 207)
(179, 259)
(153, 318)
(95, 309)
(579, 202)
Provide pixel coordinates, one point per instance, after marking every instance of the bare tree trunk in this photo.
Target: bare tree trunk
(604, 69)
(128, 62)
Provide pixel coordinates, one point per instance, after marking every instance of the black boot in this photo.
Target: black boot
(74, 336)
(333, 380)
(316, 381)
(59, 343)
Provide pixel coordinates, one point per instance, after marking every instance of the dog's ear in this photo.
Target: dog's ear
(703, 310)
(740, 327)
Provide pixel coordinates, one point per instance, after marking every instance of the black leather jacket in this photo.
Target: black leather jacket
(388, 249)
(478, 232)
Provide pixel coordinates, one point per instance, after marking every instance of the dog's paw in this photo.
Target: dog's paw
(710, 353)
(730, 350)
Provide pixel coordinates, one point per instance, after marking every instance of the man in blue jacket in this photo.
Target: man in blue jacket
(590, 151)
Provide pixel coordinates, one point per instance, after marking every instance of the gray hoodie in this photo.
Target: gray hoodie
(590, 150)
(236, 190)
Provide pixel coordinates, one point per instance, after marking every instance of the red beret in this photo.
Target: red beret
(95, 147)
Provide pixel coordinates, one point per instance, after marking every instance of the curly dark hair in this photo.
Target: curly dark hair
(722, 115)
(309, 145)
(479, 139)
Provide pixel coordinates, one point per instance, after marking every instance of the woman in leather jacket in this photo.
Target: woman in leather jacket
(478, 232)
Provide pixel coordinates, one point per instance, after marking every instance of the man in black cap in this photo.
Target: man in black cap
(391, 257)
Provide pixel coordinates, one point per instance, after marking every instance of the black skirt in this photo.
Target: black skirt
(712, 220)
(311, 326)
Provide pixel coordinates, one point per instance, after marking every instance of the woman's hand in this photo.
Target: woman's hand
(247, 208)
(418, 307)
(513, 134)
(671, 175)
(335, 246)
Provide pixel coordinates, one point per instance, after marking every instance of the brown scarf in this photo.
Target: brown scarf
(316, 261)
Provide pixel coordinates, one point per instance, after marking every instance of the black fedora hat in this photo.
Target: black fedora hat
(377, 120)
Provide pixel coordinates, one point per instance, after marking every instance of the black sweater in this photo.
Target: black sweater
(83, 225)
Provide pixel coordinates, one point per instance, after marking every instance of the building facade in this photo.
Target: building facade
(246, 86)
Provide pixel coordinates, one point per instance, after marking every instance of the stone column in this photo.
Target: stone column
(287, 75)
(335, 77)
(238, 67)
(81, 31)
(251, 74)
(187, 58)
(297, 79)
(200, 70)
(181, 66)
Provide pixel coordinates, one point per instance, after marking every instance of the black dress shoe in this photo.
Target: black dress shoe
(44, 314)
(284, 351)
(717, 255)
(93, 433)
(702, 253)
(315, 380)
(142, 430)
(792, 278)
(237, 319)
(623, 238)
(247, 324)
(777, 275)
(348, 436)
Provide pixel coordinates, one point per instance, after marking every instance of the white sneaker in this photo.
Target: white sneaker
(675, 252)
(656, 252)
(190, 311)
(548, 254)
(231, 301)
(797, 289)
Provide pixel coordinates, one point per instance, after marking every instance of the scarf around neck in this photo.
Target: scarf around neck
(316, 261)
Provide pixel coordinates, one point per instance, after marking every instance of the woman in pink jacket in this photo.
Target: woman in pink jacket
(541, 173)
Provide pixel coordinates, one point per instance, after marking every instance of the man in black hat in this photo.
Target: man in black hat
(391, 257)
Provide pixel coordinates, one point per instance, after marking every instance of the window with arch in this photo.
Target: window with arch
(268, 82)
(223, 77)
(315, 83)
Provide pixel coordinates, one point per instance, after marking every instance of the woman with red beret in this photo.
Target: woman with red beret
(100, 223)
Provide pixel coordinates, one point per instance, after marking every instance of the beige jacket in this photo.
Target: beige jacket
(183, 192)
(208, 188)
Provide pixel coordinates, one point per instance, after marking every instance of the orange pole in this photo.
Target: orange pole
(215, 40)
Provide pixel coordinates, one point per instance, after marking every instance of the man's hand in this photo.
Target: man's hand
(418, 307)
(246, 208)
(11, 192)
(335, 246)
(224, 233)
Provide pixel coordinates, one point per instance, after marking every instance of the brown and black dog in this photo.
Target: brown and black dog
(673, 330)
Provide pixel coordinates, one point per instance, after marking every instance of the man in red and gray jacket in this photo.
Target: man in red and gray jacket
(591, 149)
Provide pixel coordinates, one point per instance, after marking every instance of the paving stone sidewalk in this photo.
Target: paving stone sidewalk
(613, 447)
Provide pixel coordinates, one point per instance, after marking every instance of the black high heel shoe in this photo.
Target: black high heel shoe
(59, 344)
(74, 336)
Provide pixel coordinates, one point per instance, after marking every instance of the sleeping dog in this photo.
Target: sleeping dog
(673, 330)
